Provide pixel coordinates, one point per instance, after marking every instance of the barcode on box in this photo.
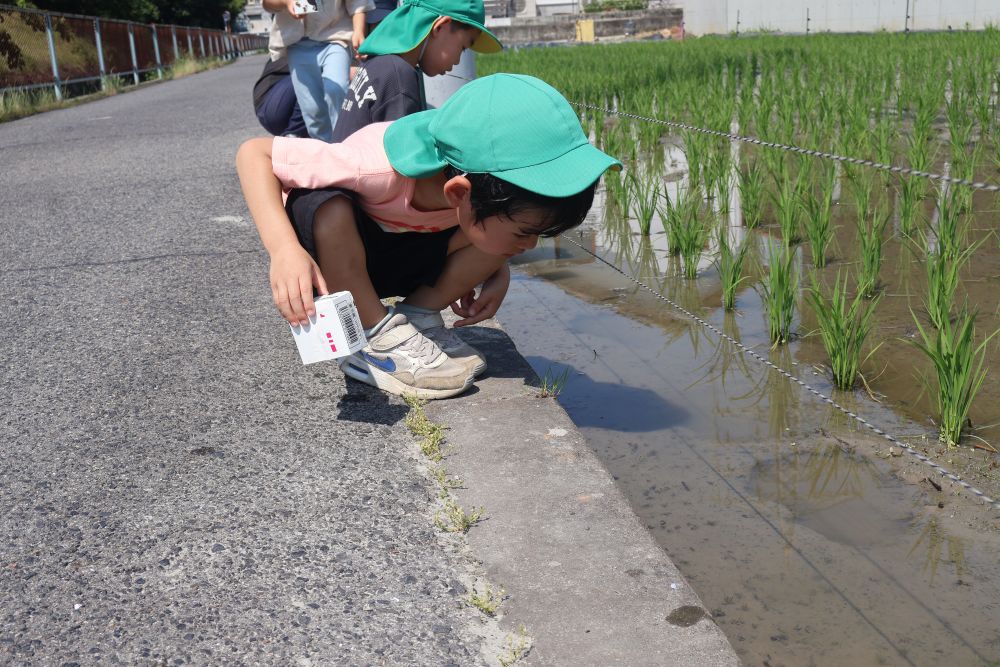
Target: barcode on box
(349, 321)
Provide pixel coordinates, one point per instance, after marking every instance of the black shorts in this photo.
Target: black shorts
(398, 263)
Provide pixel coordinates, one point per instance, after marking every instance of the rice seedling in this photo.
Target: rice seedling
(644, 197)
(617, 190)
(943, 270)
(778, 289)
(871, 235)
(751, 186)
(844, 326)
(958, 368)
(729, 264)
(691, 234)
(817, 209)
(785, 198)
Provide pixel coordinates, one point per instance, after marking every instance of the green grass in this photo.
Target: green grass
(844, 324)
(958, 368)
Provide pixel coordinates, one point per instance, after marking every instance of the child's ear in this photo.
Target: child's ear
(440, 23)
(458, 191)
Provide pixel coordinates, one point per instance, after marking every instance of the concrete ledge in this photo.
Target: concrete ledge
(562, 27)
(588, 582)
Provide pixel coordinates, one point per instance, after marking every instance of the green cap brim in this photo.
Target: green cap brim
(412, 152)
(408, 25)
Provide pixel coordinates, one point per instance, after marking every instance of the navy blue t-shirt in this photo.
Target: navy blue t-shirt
(385, 88)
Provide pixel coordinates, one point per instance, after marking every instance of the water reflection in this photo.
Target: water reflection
(939, 548)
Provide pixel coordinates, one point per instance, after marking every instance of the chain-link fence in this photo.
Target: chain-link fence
(41, 49)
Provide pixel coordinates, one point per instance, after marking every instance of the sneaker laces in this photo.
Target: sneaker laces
(421, 348)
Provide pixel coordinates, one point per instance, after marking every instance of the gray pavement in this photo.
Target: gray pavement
(176, 488)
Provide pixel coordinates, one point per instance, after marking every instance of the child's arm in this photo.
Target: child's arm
(293, 272)
(491, 295)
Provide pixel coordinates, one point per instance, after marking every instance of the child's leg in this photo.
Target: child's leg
(307, 79)
(335, 62)
(466, 267)
(341, 257)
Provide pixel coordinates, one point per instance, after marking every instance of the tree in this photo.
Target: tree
(201, 13)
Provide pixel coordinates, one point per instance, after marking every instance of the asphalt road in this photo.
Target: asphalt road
(175, 487)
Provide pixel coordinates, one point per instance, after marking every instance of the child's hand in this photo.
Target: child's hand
(290, 8)
(293, 275)
(491, 295)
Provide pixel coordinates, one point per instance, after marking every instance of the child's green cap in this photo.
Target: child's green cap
(516, 127)
(410, 23)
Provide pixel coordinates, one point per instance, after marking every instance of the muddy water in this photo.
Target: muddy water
(806, 549)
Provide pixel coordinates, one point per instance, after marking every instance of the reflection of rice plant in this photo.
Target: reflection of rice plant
(844, 326)
(751, 185)
(730, 267)
(936, 539)
(871, 236)
(958, 366)
(817, 207)
(778, 293)
(691, 234)
(644, 197)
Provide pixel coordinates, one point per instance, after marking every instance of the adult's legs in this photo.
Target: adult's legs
(307, 79)
(335, 63)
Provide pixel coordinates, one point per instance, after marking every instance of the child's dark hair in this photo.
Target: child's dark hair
(492, 196)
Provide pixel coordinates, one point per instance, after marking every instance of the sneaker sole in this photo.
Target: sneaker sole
(365, 372)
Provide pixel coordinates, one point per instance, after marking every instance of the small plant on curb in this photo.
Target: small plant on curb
(445, 483)
(515, 647)
(431, 434)
(454, 519)
(552, 385)
(488, 601)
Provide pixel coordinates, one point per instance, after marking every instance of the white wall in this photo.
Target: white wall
(719, 16)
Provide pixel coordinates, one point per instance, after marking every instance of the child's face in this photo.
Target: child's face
(501, 236)
(445, 44)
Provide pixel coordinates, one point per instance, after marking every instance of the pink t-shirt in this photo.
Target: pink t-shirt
(360, 165)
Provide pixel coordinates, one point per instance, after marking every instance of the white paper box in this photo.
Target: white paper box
(334, 331)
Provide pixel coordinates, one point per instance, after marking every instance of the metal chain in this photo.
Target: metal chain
(766, 362)
(976, 185)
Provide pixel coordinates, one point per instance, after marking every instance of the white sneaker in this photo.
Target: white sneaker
(400, 360)
(432, 326)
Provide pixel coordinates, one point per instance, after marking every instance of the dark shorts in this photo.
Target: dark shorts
(398, 263)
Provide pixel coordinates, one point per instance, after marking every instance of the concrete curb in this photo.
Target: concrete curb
(588, 582)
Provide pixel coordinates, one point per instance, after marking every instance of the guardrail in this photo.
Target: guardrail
(40, 49)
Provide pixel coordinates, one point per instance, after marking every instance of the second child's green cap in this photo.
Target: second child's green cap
(515, 127)
(410, 23)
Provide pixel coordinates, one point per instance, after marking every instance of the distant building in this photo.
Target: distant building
(258, 19)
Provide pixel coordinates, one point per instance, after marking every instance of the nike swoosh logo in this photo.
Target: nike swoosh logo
(387, 365)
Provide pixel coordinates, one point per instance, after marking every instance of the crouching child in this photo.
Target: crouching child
(441, 200)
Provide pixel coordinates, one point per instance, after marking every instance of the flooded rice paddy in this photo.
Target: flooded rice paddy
(808, 540)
